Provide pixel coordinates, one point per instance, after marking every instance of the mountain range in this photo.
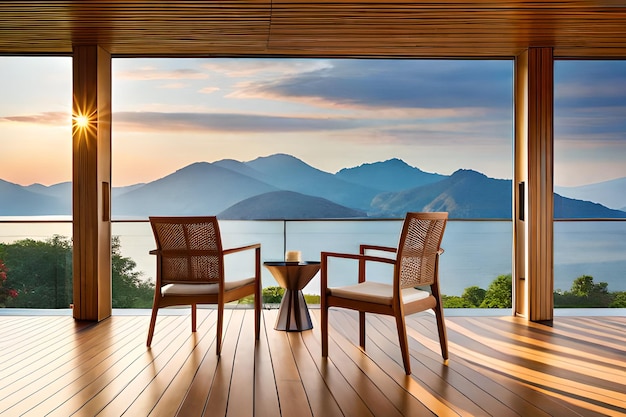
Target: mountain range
(283, 187)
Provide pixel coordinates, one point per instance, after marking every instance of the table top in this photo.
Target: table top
(284, 263)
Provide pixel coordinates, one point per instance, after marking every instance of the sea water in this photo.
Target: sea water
(476, 252)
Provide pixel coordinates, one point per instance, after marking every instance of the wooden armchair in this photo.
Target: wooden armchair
(190, 270)
(415, 264)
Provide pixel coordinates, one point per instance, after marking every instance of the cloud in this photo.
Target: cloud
(231, 122)
(153, 73)
(379, 84)
(255, 67)
(208, 90)
(45, 118)
(585, 123)
(590, 84)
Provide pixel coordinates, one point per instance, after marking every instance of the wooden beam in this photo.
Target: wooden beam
(534, 168)
(91, 179)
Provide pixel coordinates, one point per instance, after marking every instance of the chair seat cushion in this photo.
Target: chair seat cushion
(199, 289)
(376, 292)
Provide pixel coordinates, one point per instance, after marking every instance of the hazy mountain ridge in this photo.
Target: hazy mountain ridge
(282, 186)
(465, 194)
(284, 204)
(391, 175)
(611, 194)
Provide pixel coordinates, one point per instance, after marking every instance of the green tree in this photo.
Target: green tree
(454, 301)
(499, 294)
(582, 286)
(128, 289)
(584, 293)
(619, 300)
(474, 295)
(41, 272)
(6, 292)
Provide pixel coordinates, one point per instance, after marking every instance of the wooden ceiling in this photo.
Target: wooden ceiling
(317, 28)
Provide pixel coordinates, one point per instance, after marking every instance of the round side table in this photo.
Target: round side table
(293, 314)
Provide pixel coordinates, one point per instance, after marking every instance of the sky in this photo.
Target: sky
(436, 115)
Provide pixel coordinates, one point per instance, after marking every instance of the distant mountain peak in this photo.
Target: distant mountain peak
(390, 175)
(467, 173)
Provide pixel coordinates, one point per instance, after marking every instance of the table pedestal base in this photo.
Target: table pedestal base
(293, 315)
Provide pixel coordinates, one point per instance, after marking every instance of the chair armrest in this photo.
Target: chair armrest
(357, 256)
(361, 258)
(365, 247)
(440, 251)
(154, 252)
(242, 248)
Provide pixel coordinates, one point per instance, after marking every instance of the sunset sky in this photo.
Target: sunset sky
(436, 115)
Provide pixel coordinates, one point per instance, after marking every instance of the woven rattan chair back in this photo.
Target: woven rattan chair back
(191, 249)
(419, 244)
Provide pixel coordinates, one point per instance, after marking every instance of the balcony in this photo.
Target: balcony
(498, 366)
(476, 251)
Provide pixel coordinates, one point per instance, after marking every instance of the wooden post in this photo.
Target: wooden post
(533, 201)
(91, 182)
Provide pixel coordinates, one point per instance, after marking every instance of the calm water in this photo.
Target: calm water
(476, 252)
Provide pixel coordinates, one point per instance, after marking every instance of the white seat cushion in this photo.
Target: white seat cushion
(198, 289)
(376, 292)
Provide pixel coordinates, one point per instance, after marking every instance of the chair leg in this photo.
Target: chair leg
(155, 309)
(218, 336)
(193, 318)
(441, 327)
(404, 343)
(362, 329)
(258, 301)
(324, 328)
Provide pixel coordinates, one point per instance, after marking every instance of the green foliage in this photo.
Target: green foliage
(499, 293)
(474, 295)
(585, 294)
(312, 299)
(583, 286)
(273, 295)
(41, 272)
(619, 300)
(454, 301)
(6, 293)
(128, 289)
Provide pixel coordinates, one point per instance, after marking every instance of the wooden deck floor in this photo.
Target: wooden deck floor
(499, 366)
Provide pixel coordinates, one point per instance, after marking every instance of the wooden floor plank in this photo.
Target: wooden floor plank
(403, 401)
(241, 394)
(265, 393)
(219, 395)
(91, 378)
(195, 398)
(67, 371)
(387, 355)
(319, 395)
(499, 366)
(292, 397)
(170, 401)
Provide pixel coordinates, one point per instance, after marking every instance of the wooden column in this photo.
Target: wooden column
(533, 269)
(91, 183)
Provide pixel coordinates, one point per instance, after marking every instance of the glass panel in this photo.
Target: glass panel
(590, 150)
(35, 175)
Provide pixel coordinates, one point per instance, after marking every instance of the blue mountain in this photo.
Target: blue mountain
(282, 186)
(288, 205)
(391, 175)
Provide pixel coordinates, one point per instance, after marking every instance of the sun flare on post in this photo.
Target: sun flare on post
(82, 121)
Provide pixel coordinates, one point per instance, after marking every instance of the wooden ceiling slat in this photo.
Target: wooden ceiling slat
(401, 28)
